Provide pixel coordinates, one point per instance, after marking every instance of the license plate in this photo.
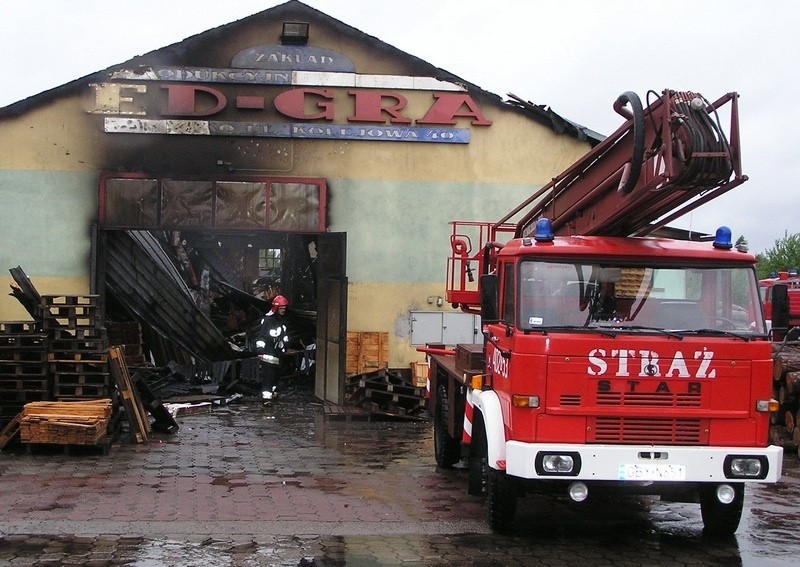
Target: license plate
(652, 472)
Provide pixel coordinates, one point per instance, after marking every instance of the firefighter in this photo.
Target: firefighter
(271, 343)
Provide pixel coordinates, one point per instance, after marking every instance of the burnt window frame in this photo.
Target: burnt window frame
(159, 224)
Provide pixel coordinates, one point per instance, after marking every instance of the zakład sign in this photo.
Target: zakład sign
(270, 99)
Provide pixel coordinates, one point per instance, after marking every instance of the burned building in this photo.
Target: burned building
(286, 152)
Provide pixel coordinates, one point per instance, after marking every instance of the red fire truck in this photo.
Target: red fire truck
(613, 362)
(780, 295)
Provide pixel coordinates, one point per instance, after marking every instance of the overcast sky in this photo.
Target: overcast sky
(575, 56)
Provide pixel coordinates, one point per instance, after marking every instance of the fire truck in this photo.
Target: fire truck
(613, 361)
(780, 295)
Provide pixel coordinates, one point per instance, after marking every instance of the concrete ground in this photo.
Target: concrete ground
(245, 485)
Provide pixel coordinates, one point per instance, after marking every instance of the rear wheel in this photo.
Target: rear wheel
(501, 499)
(721, 519)
(446, 449)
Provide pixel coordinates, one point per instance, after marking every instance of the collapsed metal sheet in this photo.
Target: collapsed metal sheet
(143, 278)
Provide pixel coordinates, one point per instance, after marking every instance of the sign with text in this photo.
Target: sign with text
(286, 92)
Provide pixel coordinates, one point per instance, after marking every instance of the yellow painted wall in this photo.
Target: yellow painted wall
(387, 307)
(56, 137)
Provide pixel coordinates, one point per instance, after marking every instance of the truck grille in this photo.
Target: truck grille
(643, 430)
(648, 399)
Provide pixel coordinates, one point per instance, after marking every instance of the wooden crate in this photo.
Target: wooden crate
(469, 357)
(419, 374)
(366, 352)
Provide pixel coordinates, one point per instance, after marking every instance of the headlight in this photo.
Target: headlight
(558, 464)
(746, 466)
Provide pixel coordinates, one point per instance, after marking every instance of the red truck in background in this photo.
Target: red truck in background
(780, 295)
(613, 362)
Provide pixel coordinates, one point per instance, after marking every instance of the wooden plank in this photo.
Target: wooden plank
(65, 423)
(389, 387)
(133, 412)
(10, 431)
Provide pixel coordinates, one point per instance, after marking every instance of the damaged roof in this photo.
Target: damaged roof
(195, 50)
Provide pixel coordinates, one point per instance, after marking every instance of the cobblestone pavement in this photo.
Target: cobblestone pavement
(244, 485)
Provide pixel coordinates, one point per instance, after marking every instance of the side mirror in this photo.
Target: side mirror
(488, 286)
(780, 307)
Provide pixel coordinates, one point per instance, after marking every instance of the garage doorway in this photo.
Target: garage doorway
(185, 259)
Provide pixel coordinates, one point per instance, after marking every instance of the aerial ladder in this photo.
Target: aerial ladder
(664, 161)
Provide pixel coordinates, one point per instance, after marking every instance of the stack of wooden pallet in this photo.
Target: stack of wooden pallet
(78, 345)
(65, 423)
(388, 392)
(23, 366)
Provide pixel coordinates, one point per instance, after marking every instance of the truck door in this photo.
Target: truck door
(498, 351)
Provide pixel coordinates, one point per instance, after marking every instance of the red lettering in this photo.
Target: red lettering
(182, 100)
(447, 108)
(369, 107)
(293, 104)
(250, 102)
(318, 104)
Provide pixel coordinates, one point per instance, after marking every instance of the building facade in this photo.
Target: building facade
(289, 151)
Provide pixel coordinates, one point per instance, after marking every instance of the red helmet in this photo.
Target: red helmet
(279, 301)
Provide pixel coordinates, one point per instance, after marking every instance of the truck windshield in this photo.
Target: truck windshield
(554, 294)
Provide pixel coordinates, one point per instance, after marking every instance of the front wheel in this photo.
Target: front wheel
(721, 519)
(446, 449)
(501, 499)
(478, 455)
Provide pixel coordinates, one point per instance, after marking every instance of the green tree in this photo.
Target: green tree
(783, 255)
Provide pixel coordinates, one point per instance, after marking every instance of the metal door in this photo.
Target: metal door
(331, 317)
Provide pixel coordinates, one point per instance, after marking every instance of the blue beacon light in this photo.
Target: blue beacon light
(544, 231)
(723, 238)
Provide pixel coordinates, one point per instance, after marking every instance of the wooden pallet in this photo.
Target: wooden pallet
(16, 342)
(33, 383)
(20, 327)
(10, 368)
(135, 412)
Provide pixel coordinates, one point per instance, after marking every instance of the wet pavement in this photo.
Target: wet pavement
(242, 485)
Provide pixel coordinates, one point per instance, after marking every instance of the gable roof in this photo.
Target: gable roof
(193, 50)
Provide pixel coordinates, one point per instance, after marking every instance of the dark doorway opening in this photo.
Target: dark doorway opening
(197, 296)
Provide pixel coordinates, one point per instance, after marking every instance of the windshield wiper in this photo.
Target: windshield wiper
(707, 331)
(674, 334)
(602, 330)
(569, 328)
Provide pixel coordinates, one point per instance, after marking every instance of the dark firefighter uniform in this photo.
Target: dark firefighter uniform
(271, 345)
